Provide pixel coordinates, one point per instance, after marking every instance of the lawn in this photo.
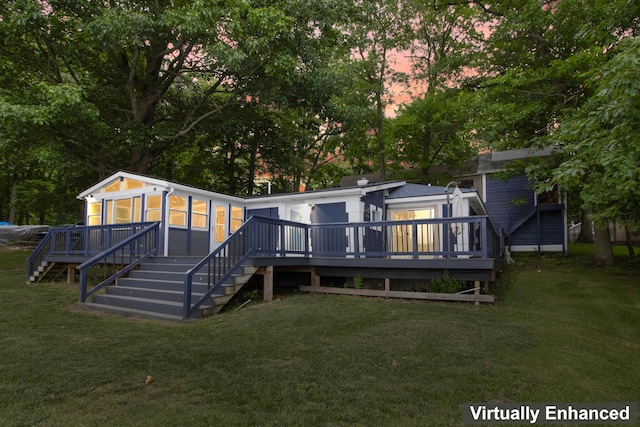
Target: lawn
(559, 331)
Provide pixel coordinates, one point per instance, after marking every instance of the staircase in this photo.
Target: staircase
(46, 269)
(156, 290)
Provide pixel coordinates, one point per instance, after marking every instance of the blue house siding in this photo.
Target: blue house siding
(330, 240)
(551, 230)
(268, 212)
(502, 212)
(185, 242)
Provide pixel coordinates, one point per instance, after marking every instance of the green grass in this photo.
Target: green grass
(560, 331)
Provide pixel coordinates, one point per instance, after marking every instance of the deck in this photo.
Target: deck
(386, 258)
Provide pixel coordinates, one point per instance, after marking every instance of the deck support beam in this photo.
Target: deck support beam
(267, 284)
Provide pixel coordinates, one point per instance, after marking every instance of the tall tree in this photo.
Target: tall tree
(379, 32)
(603, 147)
(154, 70)
(431, 131)
(543, 60)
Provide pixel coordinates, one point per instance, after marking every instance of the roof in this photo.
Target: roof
(417, 190)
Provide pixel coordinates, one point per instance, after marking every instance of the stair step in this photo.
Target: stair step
(155, 294)
(162, 285)
(156, 290)
(130, 312)
(166, 307)
(165, 275)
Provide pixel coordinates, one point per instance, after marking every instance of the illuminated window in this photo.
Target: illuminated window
(236, 218)
(123, 211)
(123, 184)
(198, 214)
(178, 211)
(221, 219)
(137, 209)
(94, 213)
(154, 208)
(403, 235)
(128, 184)
(114, 186)
(109, 212)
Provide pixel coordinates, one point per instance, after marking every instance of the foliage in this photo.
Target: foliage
(602, 144)
(445, 284)
(430, 132)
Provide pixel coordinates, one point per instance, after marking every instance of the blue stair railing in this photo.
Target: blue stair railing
(80, 242)
(219, 265)
(104, 268)
(259, 236)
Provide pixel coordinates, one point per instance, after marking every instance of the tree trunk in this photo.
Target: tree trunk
(13, 201)
(380, 136)
(603, 250)
(629, 242)
(586, 234)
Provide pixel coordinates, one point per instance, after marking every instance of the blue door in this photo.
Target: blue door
(267, 238)
(325, 239)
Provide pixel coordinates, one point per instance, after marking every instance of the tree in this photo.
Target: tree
(446, 42)
(154, 70)
(603, 147)
(431, 131)
(378, 32)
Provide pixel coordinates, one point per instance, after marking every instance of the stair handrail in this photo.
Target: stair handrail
(142, 250)
(245, 232)
(37, 256)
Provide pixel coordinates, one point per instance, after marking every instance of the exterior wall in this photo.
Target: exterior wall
(551, 232)
(520, 221)
(499, 195)
(185, 242)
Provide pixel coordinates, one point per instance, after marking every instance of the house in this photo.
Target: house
(380, 239)
(529, 221)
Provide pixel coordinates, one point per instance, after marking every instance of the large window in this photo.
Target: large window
(221, 221)
(426, 234)
(154, 208)
(94, 213)
(123, 211)
(199, 214)
(237, 216)
(123, 184)
(120, 211)
(178, 211)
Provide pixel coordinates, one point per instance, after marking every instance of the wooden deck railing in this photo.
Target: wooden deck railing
(81, 241)
(104, 268)
(443, 237)
(268, 237)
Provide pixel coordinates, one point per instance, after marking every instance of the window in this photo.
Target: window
(109, 212)
(128, 184)
(237, 214)
(123, 211)
(137, 209)
(94, 213)
(199, 214)
(403, 234)
(221, 219)
(154, 208)
(123, 184)
(178, 211)
(114, 186)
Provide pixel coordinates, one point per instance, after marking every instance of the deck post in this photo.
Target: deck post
(267, 284)
(476, 292)
(315, 279)
(387, 286)
(71, 273)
